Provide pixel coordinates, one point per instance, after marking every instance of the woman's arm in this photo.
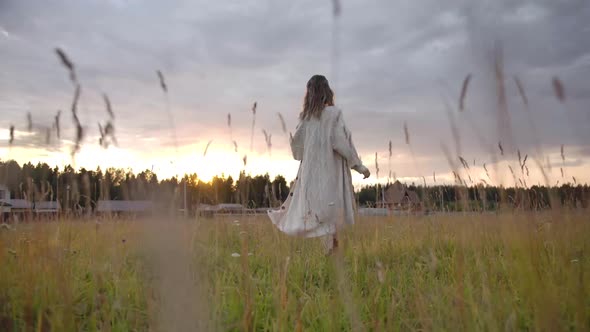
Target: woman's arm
(342, 144)
(297, 142)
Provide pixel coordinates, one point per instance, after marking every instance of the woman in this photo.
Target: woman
(321, 197)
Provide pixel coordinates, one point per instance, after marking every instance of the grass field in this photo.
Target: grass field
(461, 272)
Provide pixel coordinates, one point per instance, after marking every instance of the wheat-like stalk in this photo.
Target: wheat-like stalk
(79, 130)
(108, 105)
(464, 162)
(283, 123)
(406, 133)
(501, 148)
(162, 81)
(377, 166)
(464, 92)
(267, 139)
(562, 153)
(231, 135)
(389, 159)
(434, 176)
(29, 122)
(336, 8)
(66, 62)
(254, 107)
(521, 91)
(207, 147)
(558, 89)
(57, 124)
(11, 135)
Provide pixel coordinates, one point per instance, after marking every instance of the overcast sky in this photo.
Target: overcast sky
(395, 62)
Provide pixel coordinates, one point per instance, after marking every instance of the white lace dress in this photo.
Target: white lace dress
(321, 197)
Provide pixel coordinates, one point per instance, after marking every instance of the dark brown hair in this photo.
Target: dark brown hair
(317, 97)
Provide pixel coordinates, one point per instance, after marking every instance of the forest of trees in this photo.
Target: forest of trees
(83, 188)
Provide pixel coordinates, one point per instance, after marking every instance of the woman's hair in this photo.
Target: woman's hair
(317, 97)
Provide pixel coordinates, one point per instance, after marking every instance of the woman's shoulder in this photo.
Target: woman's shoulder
(332, 111)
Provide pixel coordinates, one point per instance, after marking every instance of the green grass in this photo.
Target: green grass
(71, 277)
(463, 272)
(514, 272)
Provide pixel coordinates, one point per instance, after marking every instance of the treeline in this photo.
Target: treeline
(480, 197)
(82, 189)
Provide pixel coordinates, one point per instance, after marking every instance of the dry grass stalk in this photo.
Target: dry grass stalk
(102, 134)
(56, 124)
(283, 123)
(267, 139)
(464, 162)
(235, 146)
(108, 105)
(162, 81)
(527, 170)
(79, 130)
(29, 122)
(377, 165)
(336, 8)
(523, 164)
(464, 92)
(389, 160)
(501, 148)
(561, 170)
(504, 124)
(207, 147)
(562, 153)
(245, 160)
(574, 178)
(66, 62)
(521, 91)
(406, 133)
(487, 173)
(11, 134)
(390, 149)
(558, 89)
(434, 176)
(254, 106)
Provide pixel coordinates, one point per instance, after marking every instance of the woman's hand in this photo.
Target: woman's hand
(363, 170)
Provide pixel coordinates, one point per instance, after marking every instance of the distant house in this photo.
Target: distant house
(11, 206)
(398, 197)
(206, 210)
(124, 207)
(47, 207)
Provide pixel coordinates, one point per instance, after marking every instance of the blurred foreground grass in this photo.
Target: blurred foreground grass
(460, 272)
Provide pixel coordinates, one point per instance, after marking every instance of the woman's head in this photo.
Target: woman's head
(317, 97)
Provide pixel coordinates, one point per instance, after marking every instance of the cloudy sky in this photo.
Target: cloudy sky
(390, 63)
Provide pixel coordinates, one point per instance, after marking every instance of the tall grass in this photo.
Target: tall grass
(72, 277)
(459, 273)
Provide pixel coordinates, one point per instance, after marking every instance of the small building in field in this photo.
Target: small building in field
(206, 210)
(47, 208)
(228, 208)
(399, 197)
(130, 208)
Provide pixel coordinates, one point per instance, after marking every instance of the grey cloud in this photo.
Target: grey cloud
(397, 62)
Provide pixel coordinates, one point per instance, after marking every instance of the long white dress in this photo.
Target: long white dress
(321, 197)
